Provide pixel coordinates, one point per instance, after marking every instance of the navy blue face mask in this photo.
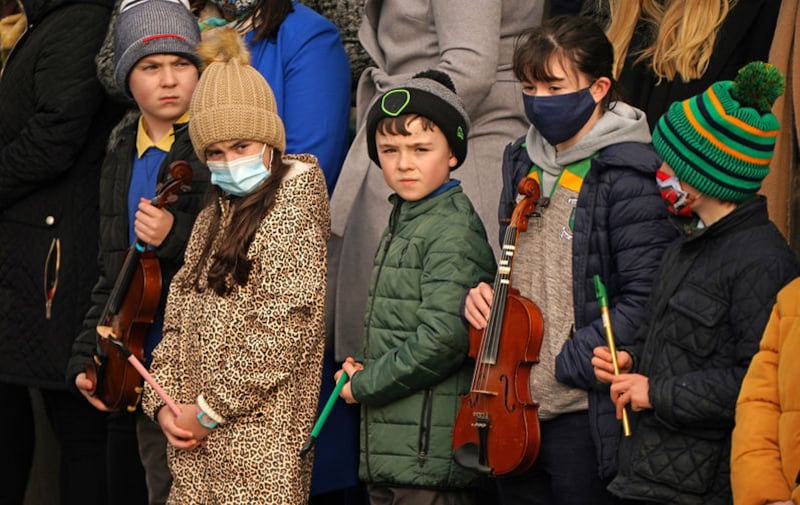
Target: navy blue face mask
(559, 117)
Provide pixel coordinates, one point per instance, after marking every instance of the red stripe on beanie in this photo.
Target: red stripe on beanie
(163, 36)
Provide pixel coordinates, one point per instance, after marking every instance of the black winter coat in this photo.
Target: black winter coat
(621, 232)
(710, 304)
(54, 123)
(114, 240)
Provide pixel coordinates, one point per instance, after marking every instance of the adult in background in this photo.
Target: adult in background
(55, 122)
(670, 50)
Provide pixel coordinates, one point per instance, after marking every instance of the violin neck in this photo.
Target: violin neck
(123, 282)
(502, 282)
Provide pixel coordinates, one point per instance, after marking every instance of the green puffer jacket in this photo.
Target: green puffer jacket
(416, 345)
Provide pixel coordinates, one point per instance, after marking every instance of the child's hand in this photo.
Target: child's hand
(478, 305)
(350, 367)
(188, 421)
(85, 385)
(631, 388)
(152, 224)
(604, 367)
(178, 437)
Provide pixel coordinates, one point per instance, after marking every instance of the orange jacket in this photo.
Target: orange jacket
(765, 453)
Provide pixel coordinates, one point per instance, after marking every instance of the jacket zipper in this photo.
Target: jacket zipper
(424, 442)
(386, 244)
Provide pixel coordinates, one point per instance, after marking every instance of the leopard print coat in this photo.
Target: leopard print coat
(255, 354)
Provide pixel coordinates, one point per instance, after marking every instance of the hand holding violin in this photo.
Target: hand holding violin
(152, 224)
(478, 305)
(85, 385)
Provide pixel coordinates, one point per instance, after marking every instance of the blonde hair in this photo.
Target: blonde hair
(685, 33)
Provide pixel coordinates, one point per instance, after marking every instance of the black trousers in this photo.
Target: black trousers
(82, 435)
(565, 472)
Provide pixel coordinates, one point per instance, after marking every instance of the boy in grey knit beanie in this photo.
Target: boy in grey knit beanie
(145, 27)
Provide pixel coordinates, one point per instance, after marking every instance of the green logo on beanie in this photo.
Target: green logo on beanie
(460, 133)
(395, 101)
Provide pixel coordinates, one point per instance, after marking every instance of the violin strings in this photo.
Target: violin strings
(487, 353)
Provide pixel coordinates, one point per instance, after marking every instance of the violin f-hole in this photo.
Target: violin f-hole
(510, 407)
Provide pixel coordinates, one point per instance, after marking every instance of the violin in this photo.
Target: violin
(496, 431)
(131, 309)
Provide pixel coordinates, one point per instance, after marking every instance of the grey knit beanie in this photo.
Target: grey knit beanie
(430, 94)
(146, 27)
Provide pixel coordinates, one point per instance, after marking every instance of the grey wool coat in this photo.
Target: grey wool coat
(472, 41)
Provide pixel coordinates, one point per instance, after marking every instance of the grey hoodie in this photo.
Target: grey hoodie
(620, 123)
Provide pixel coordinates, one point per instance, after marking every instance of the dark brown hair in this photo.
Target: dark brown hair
(230, 260)
(398, 125)
(579, 40)
(268, 15)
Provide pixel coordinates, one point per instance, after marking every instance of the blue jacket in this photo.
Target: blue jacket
(308, 71)
(621, 232)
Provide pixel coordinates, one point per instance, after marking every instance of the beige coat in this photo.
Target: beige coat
(255, 355)
(470, 40)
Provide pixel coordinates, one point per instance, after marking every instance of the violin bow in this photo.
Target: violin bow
(312, 438)
(602, 299)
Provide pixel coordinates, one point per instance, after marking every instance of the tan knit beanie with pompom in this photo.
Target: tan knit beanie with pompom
(232, 100)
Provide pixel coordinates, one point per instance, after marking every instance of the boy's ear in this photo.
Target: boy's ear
(452, 161)
(599, 88)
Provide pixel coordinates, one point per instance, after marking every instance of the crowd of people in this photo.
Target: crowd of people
(230, 212)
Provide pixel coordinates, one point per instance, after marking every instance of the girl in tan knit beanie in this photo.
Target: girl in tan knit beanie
(244, 328)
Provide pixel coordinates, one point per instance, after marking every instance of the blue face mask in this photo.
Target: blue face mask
(241, 176)
(559, 117)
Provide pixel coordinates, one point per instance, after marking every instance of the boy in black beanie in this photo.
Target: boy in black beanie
(434, 248)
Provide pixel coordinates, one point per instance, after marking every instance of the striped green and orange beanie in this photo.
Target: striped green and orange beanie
(721, 141)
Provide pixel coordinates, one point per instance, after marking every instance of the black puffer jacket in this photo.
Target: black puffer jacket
(710, 304)
(54, 123)
(114, 241)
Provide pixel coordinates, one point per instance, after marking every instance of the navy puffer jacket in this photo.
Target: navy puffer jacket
(621, 232)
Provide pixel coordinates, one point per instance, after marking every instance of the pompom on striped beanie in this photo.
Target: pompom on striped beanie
(721, 141)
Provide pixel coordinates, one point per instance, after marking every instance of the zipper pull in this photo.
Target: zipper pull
(52, 269)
